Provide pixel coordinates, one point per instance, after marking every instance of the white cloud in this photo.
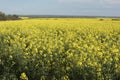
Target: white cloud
(112, 1)
(76, 0)
(92, 1)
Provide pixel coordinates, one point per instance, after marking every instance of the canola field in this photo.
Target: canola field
(60, 49)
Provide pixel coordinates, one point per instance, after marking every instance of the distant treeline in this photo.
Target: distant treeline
(57, 16)
(4, 17)
(66, 16)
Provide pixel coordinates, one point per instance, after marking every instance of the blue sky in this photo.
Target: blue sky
(61, 7)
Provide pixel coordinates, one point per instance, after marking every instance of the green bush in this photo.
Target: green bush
(4, 17)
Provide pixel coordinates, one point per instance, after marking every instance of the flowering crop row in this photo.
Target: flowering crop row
(60, 49)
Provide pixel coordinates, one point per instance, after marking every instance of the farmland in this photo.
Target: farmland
(60, 49)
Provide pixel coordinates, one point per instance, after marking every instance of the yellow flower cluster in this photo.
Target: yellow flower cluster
(60, 49)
